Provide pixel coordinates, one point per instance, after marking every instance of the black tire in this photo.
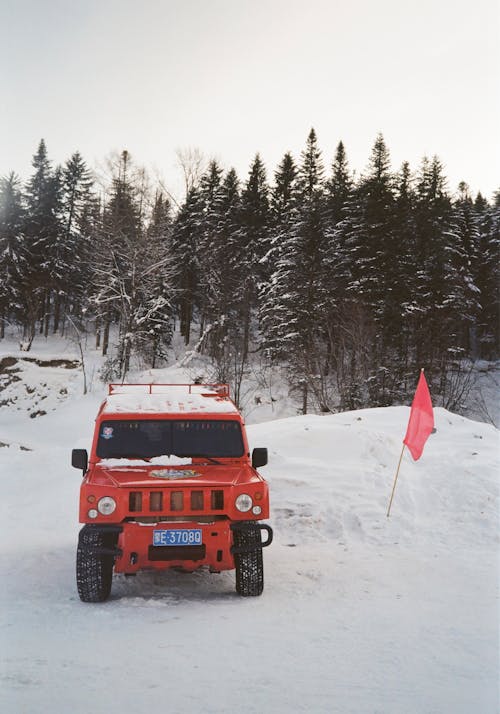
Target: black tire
(94, 571)
(249, 566)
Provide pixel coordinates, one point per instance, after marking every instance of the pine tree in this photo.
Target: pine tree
(42, 231)
(487, 277)
(225, 272)
(155, 317)
(367, 249)
(465, 263)
(254, 221)
(339, 194)
(276, 308)
(445, 296)
(134, 271)
(185, 237)
(292, 311)
(206, 246)
(227, 337)
(404, 273)
(71, 266)
(11, 225)
(339, 186)
(116, 276)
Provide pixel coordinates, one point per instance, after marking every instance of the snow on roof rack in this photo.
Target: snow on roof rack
(215, 389)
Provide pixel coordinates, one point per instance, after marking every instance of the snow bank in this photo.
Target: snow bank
(360, 613)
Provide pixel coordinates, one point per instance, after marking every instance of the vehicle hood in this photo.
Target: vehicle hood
(138, 477)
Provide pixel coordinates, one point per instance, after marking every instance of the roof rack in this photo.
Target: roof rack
(215, 389)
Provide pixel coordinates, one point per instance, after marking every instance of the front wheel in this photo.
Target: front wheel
(94, 564)
(248, 560)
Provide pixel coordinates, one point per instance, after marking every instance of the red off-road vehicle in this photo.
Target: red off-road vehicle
(170, 484)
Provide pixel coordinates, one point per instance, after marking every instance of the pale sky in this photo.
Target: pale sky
(236, 77)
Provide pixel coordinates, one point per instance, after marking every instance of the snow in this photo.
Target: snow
(171, 400)
(360, 613)
(172, 460)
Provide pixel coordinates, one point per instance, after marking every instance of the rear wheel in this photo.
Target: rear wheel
(249, 564)
(94, 567)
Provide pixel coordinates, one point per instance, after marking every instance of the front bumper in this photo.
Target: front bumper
(134, 549)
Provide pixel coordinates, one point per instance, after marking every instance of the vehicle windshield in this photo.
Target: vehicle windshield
(146, 438)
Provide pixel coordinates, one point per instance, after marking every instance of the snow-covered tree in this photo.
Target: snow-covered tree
(11, 226)
(276, 306)
(487, 276)
(186, 231)
(42, 234)
(133, 271)
(71, 265)
(254, 222)
(295, 299)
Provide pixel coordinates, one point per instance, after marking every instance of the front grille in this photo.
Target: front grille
(172, 502)
(217, 500)
(135, 501)
(176, 552)
(176, 501)
(197, 501)
(156, 501)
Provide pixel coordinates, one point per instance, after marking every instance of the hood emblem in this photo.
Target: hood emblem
(174, 474)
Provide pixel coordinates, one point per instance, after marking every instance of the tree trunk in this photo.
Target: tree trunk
(304, 397)
(97, 333)
(57, 313)
(105, 338)
(47, 315)
(125, 359)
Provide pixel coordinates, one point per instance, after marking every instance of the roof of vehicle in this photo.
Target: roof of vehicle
(172, 399)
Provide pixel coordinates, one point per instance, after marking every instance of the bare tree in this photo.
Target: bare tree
(193, 165)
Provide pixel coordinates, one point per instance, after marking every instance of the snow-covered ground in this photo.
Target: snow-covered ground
(360, 614)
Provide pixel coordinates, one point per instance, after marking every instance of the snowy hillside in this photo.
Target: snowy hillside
(360, 614)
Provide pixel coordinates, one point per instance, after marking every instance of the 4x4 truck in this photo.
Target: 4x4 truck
(170, 484)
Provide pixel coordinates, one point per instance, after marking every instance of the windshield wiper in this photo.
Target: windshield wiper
(200, 456)
(126, 456)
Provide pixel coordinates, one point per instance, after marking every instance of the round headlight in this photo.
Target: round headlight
(92, 513)
(106, 505)
(243, 503)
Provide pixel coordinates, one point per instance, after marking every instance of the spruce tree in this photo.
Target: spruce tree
(368, 253)
(11, 226)
(156, 306)
(116, 278)
(42, 232)
(186, 231)
(276, 305)
(487, 277)
(254, 241)
(335, 273)
(206, 245)
(405, 270)
(226, 271)
(445, 296)
(293, 308)
(74, 250)
(465, 263)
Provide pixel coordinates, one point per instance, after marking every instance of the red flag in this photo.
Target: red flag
(421, 422)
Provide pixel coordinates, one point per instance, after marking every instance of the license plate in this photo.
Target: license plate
(183, 536)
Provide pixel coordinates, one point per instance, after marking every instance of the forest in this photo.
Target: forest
(350, 284)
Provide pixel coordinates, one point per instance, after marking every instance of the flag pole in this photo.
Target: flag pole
(395, 480)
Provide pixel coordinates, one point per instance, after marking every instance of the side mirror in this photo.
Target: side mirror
(79, 459)
(259, 458)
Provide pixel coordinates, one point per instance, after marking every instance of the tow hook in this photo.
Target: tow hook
(251, 526)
